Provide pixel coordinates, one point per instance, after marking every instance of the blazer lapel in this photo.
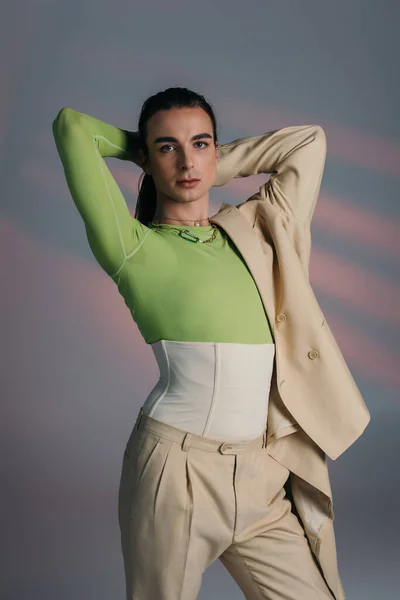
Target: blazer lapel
(238, 228)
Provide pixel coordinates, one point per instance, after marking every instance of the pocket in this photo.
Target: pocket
(143, 454)
(278, 475)
(135, 440)
(137, 454)
(160, 481)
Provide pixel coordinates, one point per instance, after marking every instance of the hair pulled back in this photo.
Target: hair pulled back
(173, 97)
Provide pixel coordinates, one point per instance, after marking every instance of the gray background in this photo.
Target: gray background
(74, 368)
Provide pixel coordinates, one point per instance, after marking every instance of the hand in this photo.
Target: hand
(220, 176)
(135, 155)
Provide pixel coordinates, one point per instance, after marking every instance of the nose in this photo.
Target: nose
(185, 160)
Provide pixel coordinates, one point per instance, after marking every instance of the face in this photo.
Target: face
(180, 144)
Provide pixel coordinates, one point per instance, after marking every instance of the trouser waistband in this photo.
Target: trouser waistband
(187, 439)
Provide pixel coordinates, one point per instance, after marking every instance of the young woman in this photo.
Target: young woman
(197, 483)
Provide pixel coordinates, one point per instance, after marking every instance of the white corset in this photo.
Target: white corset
(214, 389)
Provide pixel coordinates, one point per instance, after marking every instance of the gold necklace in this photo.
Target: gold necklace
(187, 232)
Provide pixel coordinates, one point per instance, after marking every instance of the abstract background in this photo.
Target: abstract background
(74, 368)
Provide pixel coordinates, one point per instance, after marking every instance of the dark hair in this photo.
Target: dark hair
(173, 97)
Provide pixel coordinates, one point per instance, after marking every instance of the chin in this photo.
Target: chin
(190, 192)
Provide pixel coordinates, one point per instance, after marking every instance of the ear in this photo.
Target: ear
(147, 170)
(143, 163)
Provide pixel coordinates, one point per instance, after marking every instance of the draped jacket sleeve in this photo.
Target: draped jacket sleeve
(295, 157)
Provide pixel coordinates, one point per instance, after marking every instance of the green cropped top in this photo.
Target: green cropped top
(175, 289)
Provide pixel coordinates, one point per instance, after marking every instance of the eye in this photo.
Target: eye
(171, 146)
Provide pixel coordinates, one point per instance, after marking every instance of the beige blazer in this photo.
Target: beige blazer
(316, 409)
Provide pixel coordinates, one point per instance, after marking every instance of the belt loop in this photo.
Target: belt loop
(186, 441)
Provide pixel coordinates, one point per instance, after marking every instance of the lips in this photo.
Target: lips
(187, 180)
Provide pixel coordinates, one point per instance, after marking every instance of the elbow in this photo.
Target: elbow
(65, 117)
(318, 146)
(320, 136)
(62, 126)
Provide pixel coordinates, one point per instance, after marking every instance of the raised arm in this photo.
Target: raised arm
(294, 155)
(82, 143)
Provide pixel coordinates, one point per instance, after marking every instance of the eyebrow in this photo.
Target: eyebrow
(172, 139)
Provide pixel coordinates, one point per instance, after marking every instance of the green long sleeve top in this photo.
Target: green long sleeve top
(175, 289)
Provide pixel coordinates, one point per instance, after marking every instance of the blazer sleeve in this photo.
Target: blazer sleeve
(295, 157)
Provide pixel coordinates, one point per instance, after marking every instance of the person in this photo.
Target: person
(197, 482)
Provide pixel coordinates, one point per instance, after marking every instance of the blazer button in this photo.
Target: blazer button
(224, 447)
(313, 354)
(281, 318)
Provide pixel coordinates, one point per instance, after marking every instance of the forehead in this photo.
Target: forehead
(179, 121)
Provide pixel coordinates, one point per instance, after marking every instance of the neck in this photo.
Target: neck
(171, 212)
(187, 222)
(164, 219)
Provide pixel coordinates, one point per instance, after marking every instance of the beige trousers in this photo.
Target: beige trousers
(185, 500)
